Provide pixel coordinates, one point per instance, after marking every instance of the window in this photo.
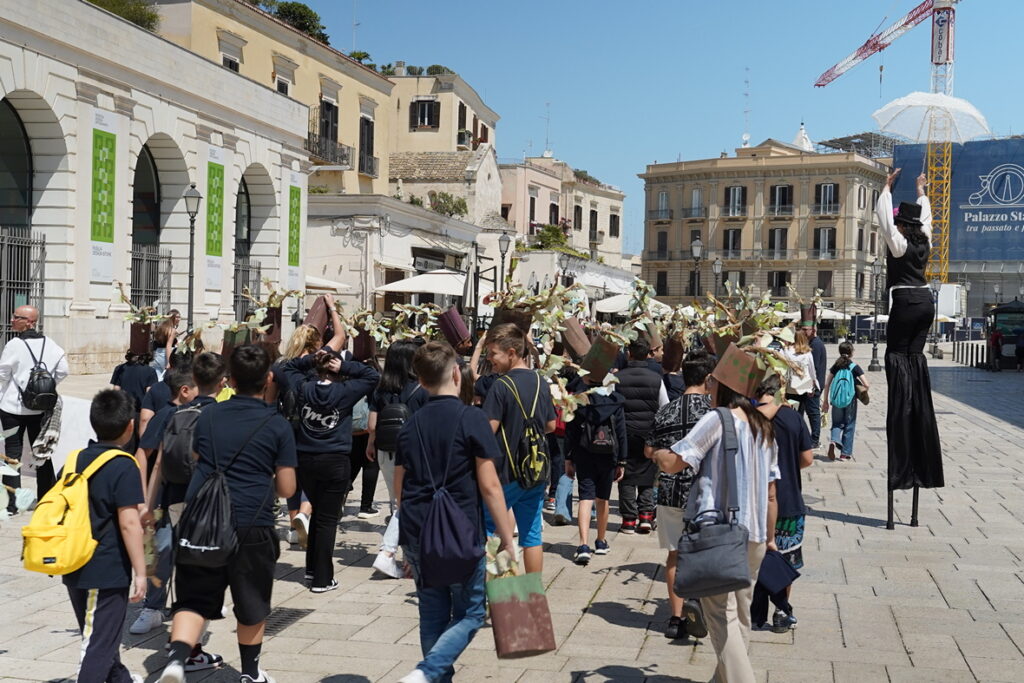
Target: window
(329, 120)
(873, 242)
(483, 134)
(738, 278)
(283, 85)
(533, 214)
(661, 283)
(825, 282)
(777, 280)
(662, 250)
(424, 115)
(874, 199)
(613, 225)
(824, 243)
(860, 239)
(781, 200)
(593, 225)
(367, 162)
(825, 198)
(696, 198)
(736, 200)
(229, 62)
(663, 201)
(284, 72)
(860, 285)
(552, 214)
(862, 196)
(577, 217)
(506, 209)
(462, 116)
(731, 243)
(778, 241)
(231, 46)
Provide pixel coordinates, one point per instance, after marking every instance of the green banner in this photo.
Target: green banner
(294, 221)
(103, 183)
(214, 209)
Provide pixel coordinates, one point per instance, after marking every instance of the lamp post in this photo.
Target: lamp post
(936, 286)
(997, 289)
(192, 199)
(503, 243)
(696, 250)
(563, 266)
(876, 273)
(967, 307)
(716, 268)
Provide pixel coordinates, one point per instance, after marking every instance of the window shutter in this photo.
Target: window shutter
(435, 115)
(413, 110)
(726, 202)
(743, 196)
(817, 194)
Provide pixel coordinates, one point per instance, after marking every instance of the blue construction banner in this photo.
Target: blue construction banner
(987, 197)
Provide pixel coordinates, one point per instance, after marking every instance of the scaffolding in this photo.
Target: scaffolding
(870, 144)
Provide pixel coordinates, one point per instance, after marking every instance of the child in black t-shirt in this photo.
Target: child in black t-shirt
(100, 591)
(844, 418)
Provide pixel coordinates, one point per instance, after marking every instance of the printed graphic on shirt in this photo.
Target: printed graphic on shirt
(320, 422)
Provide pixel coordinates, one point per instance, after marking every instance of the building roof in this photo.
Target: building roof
(429, 165)
(869, 144)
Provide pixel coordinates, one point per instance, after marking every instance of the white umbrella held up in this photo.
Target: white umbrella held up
(911, 117)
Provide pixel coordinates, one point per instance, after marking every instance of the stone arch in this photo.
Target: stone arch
(264, 224)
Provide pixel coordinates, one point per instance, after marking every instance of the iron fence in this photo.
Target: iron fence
(151, 277)
(22, 274)
(247, 275)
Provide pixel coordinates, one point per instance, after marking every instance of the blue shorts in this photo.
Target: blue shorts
(527, 506)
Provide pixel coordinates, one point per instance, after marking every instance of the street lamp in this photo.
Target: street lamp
(716, 268)
(192, 199)
(936, 286)
(876, 274)
(503, 243)
(696, 249)
(997, 289)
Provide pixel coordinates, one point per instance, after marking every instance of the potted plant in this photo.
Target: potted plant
(842, 332)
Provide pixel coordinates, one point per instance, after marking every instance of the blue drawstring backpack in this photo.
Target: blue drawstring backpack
(450, 548)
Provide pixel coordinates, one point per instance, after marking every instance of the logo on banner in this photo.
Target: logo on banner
(1001, 187)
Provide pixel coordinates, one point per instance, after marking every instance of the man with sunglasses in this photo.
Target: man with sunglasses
(20, 355)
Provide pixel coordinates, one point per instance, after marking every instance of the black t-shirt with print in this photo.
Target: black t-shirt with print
(672, 423)
(501, 405)
(792, 438)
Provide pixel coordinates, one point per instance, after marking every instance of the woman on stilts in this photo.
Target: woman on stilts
(915, 455)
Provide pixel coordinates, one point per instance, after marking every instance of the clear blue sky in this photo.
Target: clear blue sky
(631, 83)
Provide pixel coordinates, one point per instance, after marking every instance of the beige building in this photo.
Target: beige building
(772, 214)
(531, 196)
(349, 131)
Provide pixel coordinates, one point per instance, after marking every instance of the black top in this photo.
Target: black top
(501, 405)
(438, 425)
(157, 397)
(641, 388)
(674, 385)
(672, 423)
(792, 438)
(413, 396)
(908, 270)
(135, 380)
(856, 370)
(820, 358)
(599, 410)
(483, 385)
(251, 478)
(115, 485)
(154, 433)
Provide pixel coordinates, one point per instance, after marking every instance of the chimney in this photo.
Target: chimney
(399, 68)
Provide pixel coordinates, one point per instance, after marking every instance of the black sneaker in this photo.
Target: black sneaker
(582, 556)
(333, 585)
(695, 625)
(676, 628)
(601, 547)
(782, 622)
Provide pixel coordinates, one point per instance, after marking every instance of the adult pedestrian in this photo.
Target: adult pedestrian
(812, 406)
(802, 385)
(912, 434)
(644, 392)
(165, 340)
(27, 350)
(995, 342)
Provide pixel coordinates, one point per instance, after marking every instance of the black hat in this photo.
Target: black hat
(909, 213)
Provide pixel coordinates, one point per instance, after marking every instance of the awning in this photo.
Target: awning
(620, 304)
(395, 265)
(319, 284)
(447, 282)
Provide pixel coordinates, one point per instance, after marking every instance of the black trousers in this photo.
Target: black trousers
(358, 462)
(100, 614)
(556, 452)
(324, 478)
(15, 444)
(911, 315)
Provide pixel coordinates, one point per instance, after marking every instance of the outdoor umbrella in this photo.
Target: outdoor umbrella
(448, 282)
(910, 117)
(620, 304)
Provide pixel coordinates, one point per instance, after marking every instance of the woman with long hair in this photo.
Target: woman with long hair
(165, 338)
(912, 435)
(802, 385)
(844, 418)
(756, 469)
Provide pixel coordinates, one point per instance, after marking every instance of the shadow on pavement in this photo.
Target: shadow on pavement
(345, 678)
(846, 518)
(628, 674)
(620, 614)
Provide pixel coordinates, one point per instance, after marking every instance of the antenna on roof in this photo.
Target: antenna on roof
(547, 129)
(746, 107)
(355, 25)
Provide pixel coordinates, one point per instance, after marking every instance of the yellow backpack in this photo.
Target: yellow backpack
(58, 539)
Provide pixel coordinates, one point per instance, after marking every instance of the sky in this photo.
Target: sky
(634, 83)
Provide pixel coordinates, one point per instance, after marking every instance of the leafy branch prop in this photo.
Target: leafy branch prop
(144, 315)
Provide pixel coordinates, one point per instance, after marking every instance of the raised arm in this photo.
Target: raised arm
(338, 340)
(894, 239)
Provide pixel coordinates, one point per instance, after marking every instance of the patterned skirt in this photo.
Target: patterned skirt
(789, 536)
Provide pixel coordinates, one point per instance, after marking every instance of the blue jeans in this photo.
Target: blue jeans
(563, 497)
(449, 618)
(844, 424)
(811, 405)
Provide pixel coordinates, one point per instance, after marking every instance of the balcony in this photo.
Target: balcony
(733, 254)
(464, 140)
(368, 165)
(827, 209)
(823, 254)
(658, 255)
(734, 212)
(779, 211)
(778, 254)
(779, 291)
(329, 151)
(659, 214)
(596, 237)
(695, 212)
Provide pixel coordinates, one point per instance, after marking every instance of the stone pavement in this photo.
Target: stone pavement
(941, 602)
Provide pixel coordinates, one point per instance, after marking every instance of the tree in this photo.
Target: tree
(265, 5)
(438, 69)
(359, 56)
(139, 12)
(387, 69)
(446, 204)
(301, 17)
(550, 236)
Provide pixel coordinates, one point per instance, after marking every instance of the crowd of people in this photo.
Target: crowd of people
(505, 440)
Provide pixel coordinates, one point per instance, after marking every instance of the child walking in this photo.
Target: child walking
(841, 392)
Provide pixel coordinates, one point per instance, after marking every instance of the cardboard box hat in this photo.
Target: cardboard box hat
(738, 370)
(453, 327)
(575, 339)
(672, 359)
(600, 358)
(517, 316)
(140, 338)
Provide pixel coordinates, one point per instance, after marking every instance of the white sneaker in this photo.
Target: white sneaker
(386, 563)
(300, 523)
(136, 678)
(174, 672)
(147, 620)
(264, 677)
(414, 676)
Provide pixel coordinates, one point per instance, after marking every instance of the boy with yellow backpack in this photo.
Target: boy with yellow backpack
(87, 528)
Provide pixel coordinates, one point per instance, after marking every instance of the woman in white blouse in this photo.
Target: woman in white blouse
(757, 469)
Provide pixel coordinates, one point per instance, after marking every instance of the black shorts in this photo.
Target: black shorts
(249, 574)
(595, 477)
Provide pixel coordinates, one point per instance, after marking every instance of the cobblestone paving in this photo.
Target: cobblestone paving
(941, 602)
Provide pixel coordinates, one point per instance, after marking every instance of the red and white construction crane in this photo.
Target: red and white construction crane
(939, 157)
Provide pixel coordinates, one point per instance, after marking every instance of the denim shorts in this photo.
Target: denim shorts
(527, 506)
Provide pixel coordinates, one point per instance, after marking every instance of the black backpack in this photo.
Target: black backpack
(530, 464)
(390, 421)
(450, 548)
(206, 532)
(40, 392)
(176, 462)
(599, 439)
(290, 406)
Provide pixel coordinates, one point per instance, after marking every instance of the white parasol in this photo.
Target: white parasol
(911, 117)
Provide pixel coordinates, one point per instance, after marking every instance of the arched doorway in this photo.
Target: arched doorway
(22, 252)
(246, 269)
(256, 235)
(158, 181)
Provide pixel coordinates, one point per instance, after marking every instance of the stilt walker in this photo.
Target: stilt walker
(915, 455)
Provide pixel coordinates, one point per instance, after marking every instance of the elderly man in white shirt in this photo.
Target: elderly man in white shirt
(20, 355)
